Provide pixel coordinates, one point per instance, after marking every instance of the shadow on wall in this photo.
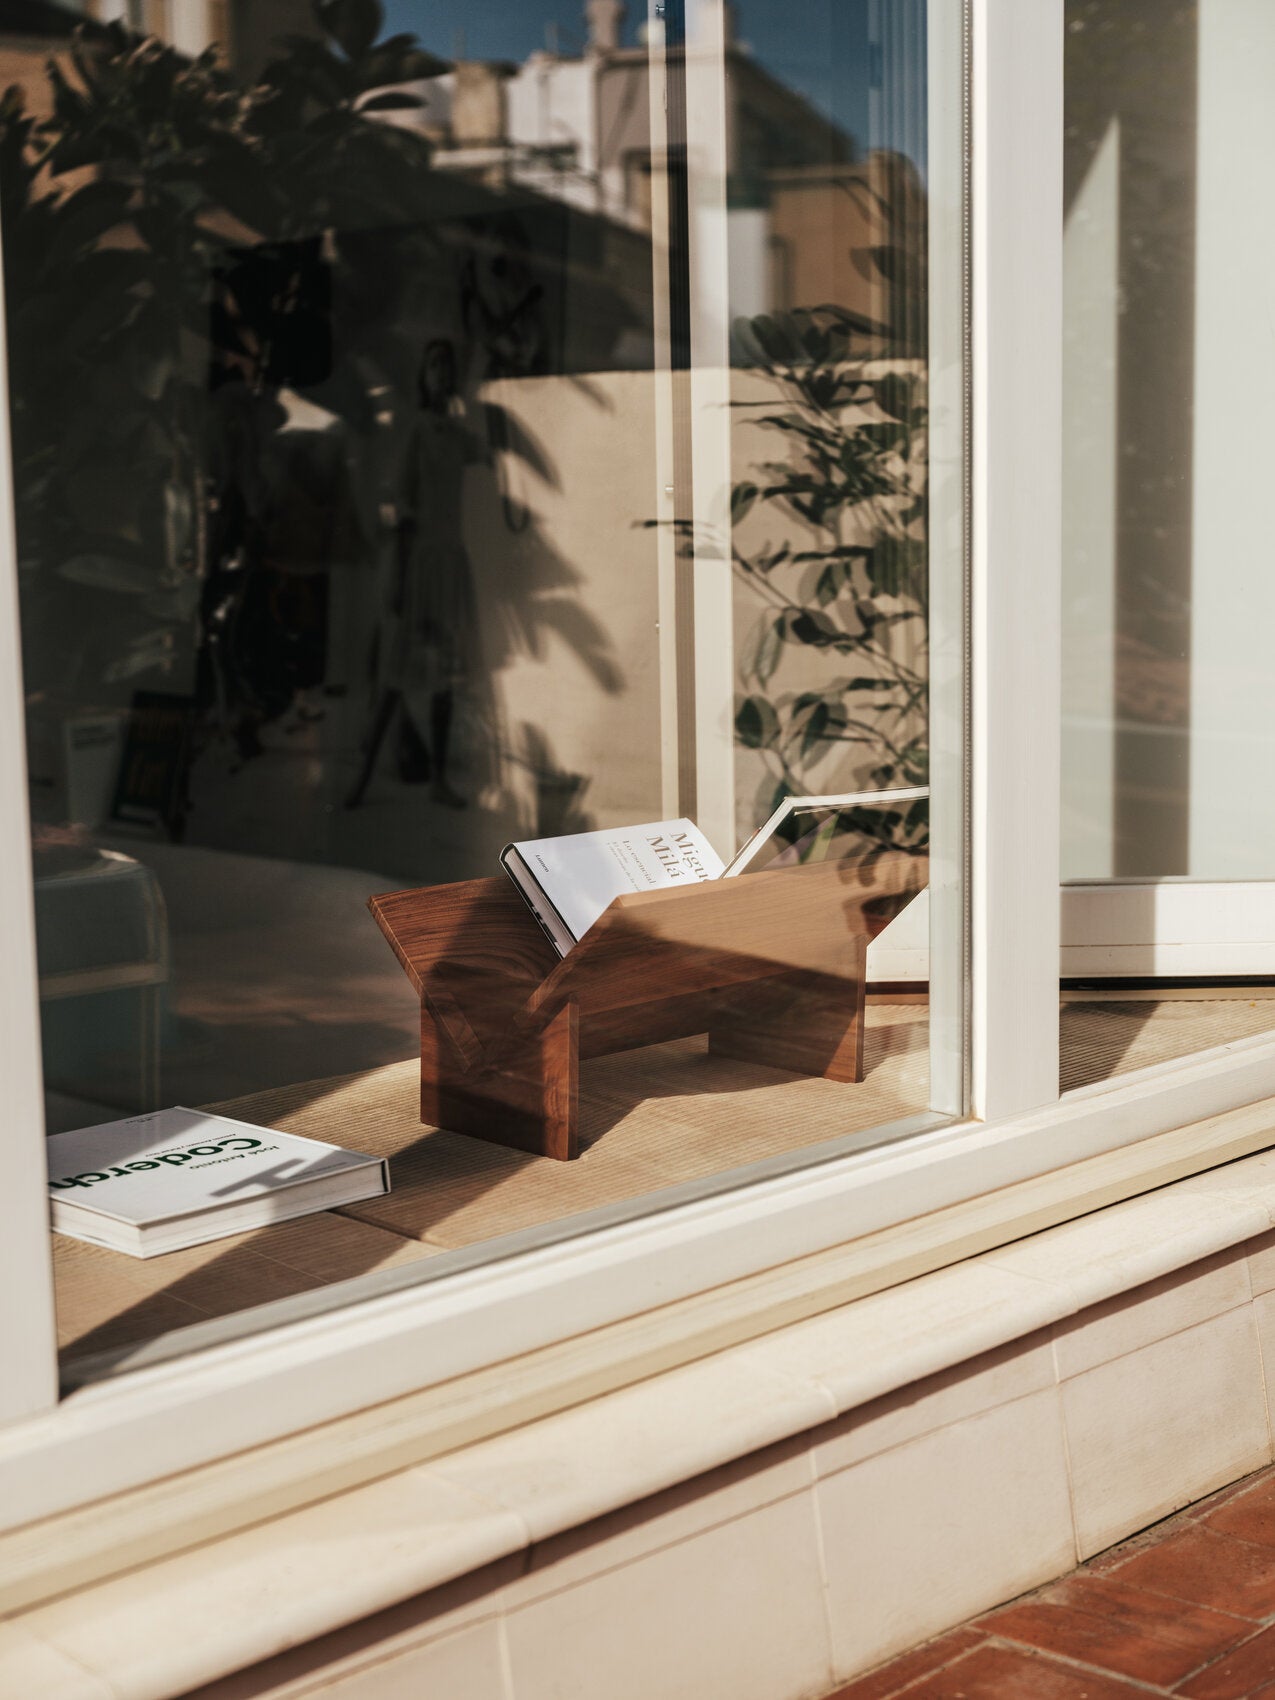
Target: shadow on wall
(1130, 195)
(290, 517)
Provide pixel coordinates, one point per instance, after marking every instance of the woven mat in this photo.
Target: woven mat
(650, 1119)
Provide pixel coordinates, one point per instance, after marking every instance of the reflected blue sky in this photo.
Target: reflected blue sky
(820, 48)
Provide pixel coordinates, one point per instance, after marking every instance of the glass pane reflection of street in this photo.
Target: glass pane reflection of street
(339, 336)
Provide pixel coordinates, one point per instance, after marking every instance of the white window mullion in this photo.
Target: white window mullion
(931, 932)
(708, 241)
(1016, 330)
(28, 1341)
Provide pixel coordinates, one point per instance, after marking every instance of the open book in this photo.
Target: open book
(568, 882)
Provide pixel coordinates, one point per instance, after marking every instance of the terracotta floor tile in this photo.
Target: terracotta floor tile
(892, 1679)
(1250, 1517)
(1246, 1484)
(1209, 1569)
(1119, 1629)
(1004, 1673)
(1244, 1672)
(1115, 1556)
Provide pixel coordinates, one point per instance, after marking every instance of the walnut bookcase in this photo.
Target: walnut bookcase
(769, 965)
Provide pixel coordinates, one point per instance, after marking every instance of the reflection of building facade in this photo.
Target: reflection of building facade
(579, 125)
(805, 208)
(244, 30)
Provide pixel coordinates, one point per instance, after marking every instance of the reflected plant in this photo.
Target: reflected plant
(842, 578)
(859, 584)
(120, 212)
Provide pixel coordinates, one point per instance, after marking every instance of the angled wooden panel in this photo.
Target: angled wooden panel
(770, 964)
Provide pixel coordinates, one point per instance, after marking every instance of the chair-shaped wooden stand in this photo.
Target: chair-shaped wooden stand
(770, 965)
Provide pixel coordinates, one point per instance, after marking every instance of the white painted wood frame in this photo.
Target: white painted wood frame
(28, 1359)
(663, 505)
(707, 123)
(1016, 95)
(942, 936)
(1180, 929)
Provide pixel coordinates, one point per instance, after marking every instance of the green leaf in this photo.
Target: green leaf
(769, 650)
(815, 729)
(813, 626)
(756, 723)
(742, 497)
(400, 60)
(895, 395)
(391, 101)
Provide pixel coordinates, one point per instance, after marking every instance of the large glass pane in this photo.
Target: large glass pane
(828, 451)
(1167, 752)
(367, 368)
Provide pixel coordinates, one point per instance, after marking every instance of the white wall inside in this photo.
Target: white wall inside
(1232, 819)
(1091, 283)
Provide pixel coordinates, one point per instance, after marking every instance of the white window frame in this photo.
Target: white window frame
(155, 1421)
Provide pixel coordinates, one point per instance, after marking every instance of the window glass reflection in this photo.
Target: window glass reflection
(437, 425)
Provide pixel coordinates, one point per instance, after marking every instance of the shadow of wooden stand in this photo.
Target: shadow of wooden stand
(770, 965)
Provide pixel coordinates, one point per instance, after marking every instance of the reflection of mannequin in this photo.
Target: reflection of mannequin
(502, 307)
(432, 652)
(283, 520)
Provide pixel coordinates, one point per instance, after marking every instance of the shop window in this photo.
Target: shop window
(433, 431)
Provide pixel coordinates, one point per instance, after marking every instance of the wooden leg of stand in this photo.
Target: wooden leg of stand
(529, 1102)
(808, 1023)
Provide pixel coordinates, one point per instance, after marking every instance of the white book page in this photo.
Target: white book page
(581, 874)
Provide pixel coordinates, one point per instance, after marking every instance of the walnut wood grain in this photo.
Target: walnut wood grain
(729, 932)
(806, 1023)
(771, 965)
(529, 1100)
(482, 923)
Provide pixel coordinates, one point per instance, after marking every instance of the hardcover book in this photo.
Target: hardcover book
(174, 1178)
(568, 882)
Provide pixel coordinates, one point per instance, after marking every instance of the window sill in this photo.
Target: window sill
(370, 1546)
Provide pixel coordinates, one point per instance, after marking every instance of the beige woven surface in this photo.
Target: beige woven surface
(650, 1119)
(1099, 1040)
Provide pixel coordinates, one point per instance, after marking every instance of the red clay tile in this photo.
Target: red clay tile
(1251, 1517)
(1003, 1673)
(1244, 1672)
(889, 1680)
(1120, 1629)
(1211, 1570)
(1115, 1556)
(1202, 1507)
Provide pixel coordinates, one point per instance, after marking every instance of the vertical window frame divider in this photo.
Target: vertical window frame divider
(1015, 459)
(708, 123)
(28, 1336)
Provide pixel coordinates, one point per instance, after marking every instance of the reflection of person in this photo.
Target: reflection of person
(432, 653)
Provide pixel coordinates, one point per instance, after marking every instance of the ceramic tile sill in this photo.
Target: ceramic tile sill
(254, 1593)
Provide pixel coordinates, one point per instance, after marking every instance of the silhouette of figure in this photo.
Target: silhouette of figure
(431, 646)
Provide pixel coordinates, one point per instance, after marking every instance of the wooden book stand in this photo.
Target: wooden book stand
(770, 965)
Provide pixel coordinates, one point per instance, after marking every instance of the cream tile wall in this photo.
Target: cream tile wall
(926, 1534)
(796, 1568)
